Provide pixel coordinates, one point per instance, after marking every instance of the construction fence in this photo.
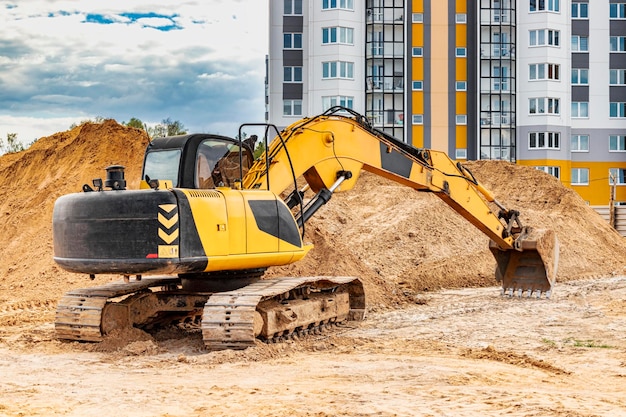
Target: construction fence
(616, 218)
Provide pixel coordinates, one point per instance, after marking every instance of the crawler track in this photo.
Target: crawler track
(268, 309)
(79, 313)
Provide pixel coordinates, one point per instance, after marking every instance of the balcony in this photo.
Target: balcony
(496, 17)
(394, 84)
(385, 15)
(386, 118)
(497, 120)
(497, 51)
(495, 85)
(385, 50)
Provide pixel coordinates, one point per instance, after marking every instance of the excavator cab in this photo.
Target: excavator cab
(198, 161)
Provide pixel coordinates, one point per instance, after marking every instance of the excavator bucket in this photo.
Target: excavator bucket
(530, 269)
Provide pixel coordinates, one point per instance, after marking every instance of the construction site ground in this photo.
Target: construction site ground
(438, 340)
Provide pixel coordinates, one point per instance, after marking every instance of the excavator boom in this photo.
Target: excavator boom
(323, 148)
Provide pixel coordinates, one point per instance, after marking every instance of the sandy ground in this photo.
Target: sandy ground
(424, 350)
(464, 352)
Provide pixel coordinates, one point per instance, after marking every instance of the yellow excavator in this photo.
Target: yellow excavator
(195, 240)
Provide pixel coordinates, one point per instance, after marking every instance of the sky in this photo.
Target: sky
(201, 62)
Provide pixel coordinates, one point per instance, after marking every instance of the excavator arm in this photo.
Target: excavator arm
(331, 149)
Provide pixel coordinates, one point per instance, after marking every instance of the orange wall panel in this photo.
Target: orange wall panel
(417, 72)
(461, 102)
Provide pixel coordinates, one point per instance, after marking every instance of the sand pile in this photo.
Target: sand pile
(400, 242)
(31, 181)
(408, 242)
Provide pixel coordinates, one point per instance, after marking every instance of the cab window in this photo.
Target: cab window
(217, 163)
(162, 165)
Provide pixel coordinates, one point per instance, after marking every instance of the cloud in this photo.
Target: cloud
(60, 98)
(32, 128)
(216, 76)
(191, 61)
(145, 20)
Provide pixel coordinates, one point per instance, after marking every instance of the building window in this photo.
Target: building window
(542, 37)
(417, 119)
(338, 4)
(617, 176)
(500, 79)
(332, 101)
(580, 176)
(618, 43)
(544, 5)
(418, 17)
(617, 143)
(554, 171)
(292, 74)
(338, 69)
(544, 71)
(617, 77)
(418, 85)
(580, 76)
(418, 51)
(617, 10)
(461, 86)
(461, 52)
(461, 18)
(580, 43)
(338, 35)
(461, 119)
(292, 107)
(543, 105)
(579, 143)
(580, 109)
(617, 110)
(580, 10)
(460, 153)
(293, 7)
(544, 140)
(292, 40)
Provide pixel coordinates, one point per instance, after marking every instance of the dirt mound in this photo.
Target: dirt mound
(524, 361)
(31, 181)
(408, 242)
(400, 242)
(589, 246)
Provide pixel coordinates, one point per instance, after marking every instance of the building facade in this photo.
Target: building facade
(536, 82)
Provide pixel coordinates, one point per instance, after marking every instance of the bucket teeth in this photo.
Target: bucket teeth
(531, 269)
(523, 293)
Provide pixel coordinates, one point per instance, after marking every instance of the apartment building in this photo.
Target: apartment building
(536, 82)
(316, 59)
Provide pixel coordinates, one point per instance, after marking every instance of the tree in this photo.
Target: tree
(96, 120)
(167, 127)
(174, 127)
(258, 151)
(13, 145)
(134, 122)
